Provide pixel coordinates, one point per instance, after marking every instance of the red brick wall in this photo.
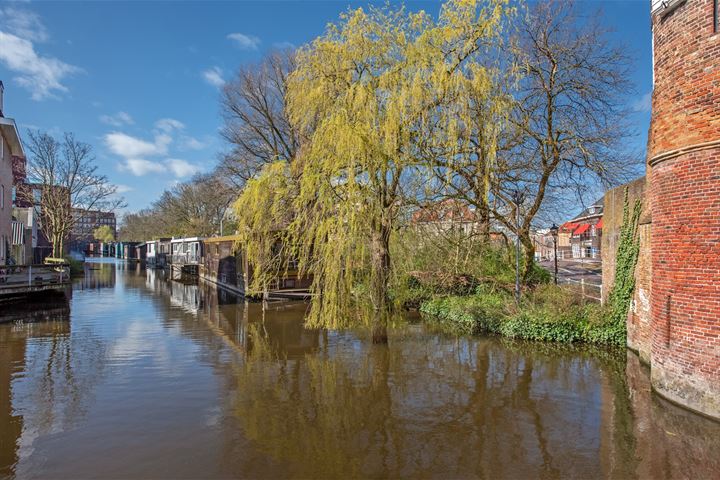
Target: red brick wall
(685, 199)
(685, 109)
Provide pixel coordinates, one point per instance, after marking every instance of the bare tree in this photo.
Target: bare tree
(566, 130)
(141, 226)
(570, 111)
(193, 208)
(254, 111)
(64, 174)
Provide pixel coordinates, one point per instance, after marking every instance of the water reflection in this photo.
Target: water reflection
(159, 378)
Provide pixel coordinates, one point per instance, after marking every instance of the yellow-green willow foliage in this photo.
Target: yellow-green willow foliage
(364, 97)
(264, 213)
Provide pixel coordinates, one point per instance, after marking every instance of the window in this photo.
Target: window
(716, 16)
(2, 196)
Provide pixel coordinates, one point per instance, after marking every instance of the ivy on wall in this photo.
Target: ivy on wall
(627, 257)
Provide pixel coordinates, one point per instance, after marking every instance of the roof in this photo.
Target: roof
(10, 132)
(188, 239)
(446, 211)
(598, 204)
(226, 238)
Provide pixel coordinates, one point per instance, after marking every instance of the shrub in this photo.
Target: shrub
(547, 313)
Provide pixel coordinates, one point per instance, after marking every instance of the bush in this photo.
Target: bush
(547, 313)
(77, 267)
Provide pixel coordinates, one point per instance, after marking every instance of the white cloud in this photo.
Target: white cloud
(117, 120)
(181, 168)
(137, 153)
(191, 143)
(213, 76)
(123, 188)
(24, 24)
(284, 45)
(244, 42)
(41, 75)
(140, 166)
(644, 104)
(167, 125)
(131, 147)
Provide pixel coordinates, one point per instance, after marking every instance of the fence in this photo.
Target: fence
(33, 275)
(589, 290)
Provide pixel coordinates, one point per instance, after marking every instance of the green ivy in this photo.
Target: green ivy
(628, 251)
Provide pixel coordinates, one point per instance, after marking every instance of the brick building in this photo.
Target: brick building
(684, 194)
(26, 200)
(86, 221)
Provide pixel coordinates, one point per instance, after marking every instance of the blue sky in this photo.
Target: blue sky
(139, 80)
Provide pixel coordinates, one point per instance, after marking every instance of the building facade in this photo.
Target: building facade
(10, 145)
(684, 184)
(85, 224)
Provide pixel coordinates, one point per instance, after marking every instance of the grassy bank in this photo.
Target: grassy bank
(546, 313)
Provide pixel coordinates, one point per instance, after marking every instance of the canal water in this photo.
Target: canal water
(143, 377)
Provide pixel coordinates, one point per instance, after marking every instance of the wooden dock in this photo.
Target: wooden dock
(20, 280)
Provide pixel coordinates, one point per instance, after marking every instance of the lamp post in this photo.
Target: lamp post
(554, 232)
(517, 198)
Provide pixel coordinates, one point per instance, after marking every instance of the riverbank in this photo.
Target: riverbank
(546, 313)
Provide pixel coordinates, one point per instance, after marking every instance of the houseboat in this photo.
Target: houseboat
(224, 264)
(186, 254)
(141, 252)
(158, 252)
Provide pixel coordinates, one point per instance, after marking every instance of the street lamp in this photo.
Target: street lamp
(518, 197)
(554, 232)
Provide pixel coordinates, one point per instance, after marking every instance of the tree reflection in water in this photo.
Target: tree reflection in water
(419, 405)
(219, 387)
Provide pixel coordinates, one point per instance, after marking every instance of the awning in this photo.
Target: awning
(582, 229)
(599, 224)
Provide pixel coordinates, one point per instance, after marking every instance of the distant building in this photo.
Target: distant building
(10, 145)
(446, 217)
(543, 244)
(86, 221)
(586, 239)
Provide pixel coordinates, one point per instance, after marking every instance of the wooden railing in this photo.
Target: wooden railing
(12, 276)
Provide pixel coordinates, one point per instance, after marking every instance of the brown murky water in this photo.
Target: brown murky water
(147, 378)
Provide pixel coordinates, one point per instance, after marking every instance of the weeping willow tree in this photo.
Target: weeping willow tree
(361, 97)
(264, 212)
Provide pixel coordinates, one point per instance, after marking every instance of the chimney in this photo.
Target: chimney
(2, 92)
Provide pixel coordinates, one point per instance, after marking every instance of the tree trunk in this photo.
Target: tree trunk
(529, 248)
(379, 328)
(380, 267)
